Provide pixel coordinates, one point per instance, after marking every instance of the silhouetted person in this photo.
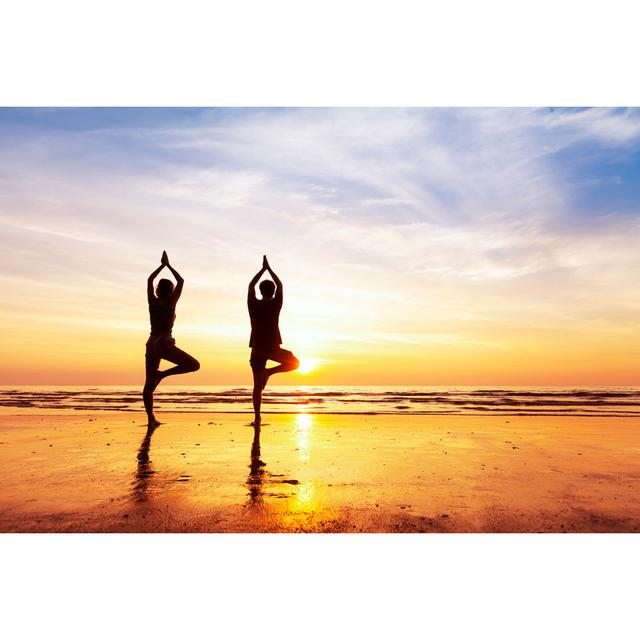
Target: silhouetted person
(161, 345)
(265, 335)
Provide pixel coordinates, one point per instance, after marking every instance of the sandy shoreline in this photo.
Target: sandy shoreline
(317, 473)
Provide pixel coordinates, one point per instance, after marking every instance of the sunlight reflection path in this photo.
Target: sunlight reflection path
(302, 433)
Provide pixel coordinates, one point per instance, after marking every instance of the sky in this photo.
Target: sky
(416, 246)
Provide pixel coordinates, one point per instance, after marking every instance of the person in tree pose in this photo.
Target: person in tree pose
(265, 334)
(161, 345)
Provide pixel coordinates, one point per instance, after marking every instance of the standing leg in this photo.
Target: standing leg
(151, 382)
(257, 396)
(258, 362)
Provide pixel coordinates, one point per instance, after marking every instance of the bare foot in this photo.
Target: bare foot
(256, 422)
(153, 422)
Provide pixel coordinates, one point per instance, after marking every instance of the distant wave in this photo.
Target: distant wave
(608, 401)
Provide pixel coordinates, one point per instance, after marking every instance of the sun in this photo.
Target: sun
(307, 365)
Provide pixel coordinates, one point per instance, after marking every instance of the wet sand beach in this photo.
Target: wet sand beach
(103, 472)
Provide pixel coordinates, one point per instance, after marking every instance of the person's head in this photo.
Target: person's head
(164, 288)
(267, 289)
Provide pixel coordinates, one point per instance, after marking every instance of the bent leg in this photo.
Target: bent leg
(184, 362)
(287, 362)
(151, 382)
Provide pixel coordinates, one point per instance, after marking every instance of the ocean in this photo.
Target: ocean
(582, 401)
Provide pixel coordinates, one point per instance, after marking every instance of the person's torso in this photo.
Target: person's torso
(264, 316)
(162, 316)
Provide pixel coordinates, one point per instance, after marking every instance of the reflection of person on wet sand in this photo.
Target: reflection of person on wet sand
(143, 470)
(161, 345)
(256, 469)
(265, 334)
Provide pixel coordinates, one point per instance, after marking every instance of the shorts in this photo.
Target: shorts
(259, 357)
(160, 346)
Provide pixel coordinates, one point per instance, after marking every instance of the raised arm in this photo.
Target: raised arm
(177, 292)
(251, 292)
(150, 279)
(278, 293)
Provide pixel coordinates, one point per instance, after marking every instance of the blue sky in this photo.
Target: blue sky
(594, 151)
(433, 228)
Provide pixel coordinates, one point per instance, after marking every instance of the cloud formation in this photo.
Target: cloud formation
(400, 234)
